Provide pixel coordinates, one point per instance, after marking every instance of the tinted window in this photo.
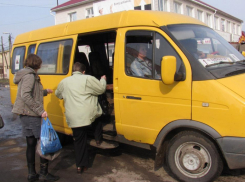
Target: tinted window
(31, 49)
(18, 59)
(55, 57)
(144, 52)
(164, 48)
(139, 54)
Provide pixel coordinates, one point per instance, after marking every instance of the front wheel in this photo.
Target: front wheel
(192, 156)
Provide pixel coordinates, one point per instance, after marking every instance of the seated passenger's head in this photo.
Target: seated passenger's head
(142, 50)
(79, 67)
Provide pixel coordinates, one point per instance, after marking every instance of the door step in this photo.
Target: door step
(109, 129)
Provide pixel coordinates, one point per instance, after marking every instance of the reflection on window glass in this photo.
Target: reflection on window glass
(18, 59)
(205, 45)
(163, 48)
(55, 57)
(31, 49)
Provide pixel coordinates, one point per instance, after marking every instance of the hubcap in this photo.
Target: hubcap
(193, 159)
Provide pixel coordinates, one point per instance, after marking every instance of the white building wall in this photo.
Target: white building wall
(227, 34)
(62, 16)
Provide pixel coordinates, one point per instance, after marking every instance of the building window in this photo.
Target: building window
(177, 7)
(89, 13)
(72, 16)
(209, 20)
(228, 28)
(163, 5)
(189, 11)
(234, 28)
(200, 15)
(239, 30)
(216, 23)
(223, 25)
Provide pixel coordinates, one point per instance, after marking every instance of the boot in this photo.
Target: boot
(32, 175)
(44, 175)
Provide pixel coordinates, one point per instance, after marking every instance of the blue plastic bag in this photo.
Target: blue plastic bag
(50, 142)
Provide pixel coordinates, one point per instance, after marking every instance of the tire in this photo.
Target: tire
(191, 156)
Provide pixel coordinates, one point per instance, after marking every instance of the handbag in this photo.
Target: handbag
(50, 142)
(1, 122)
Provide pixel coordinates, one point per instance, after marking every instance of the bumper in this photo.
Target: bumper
(233, 149)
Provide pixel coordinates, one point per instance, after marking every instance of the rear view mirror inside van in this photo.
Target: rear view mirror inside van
(168, 69)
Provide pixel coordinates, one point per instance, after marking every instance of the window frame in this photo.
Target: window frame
(209, 20)
(201, 13)
(88, 12)
(30, 46)
(223, 25)
(191, 11)
(179, 5)
(153, 54)
(70, 16)
(60, 40)
(12, 63)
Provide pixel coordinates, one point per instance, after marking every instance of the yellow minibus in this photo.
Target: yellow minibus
(178, 86)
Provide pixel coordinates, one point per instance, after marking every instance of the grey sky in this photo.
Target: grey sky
(22, 16)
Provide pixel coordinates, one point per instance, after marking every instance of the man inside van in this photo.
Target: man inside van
(142, 66)
(80, 93)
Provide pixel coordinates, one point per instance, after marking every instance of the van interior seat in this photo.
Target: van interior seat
(96, 65)
(82, 58)
(130, 56)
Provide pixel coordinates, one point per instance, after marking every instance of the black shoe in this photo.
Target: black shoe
(80, 170)
(44, 175)
(32, 175)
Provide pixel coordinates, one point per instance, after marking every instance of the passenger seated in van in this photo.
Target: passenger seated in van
(191, 46)
(142, 66)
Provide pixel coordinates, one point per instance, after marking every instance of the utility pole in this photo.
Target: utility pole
(2, 55)
(57, 2)
(10, 49)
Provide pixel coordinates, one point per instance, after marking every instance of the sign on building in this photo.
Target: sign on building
(112, 6)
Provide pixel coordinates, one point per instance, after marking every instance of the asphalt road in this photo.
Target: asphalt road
(124, 164)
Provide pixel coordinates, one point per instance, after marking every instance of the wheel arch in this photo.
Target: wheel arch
(179, 125)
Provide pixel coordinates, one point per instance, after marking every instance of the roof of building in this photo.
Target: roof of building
(218, 10)
(69, 4)
(99, 23)
(73, 3)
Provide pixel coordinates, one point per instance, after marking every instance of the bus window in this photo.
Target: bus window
(55, 57)
(31, 49)
(18, 58)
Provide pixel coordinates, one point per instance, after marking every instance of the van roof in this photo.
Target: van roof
(107, 22)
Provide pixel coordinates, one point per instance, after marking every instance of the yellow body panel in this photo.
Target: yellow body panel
(226, 109)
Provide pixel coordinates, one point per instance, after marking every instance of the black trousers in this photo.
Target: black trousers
(80, 136)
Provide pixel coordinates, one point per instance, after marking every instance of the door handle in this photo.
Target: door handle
(132, 97)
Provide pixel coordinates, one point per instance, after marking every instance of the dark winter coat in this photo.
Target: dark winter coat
(29, 100)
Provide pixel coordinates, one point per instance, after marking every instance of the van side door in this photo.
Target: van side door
(143, 103)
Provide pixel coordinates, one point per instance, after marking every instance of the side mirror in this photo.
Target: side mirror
(168, 69)
(243, 53)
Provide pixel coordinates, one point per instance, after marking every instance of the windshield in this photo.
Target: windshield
(206, 46)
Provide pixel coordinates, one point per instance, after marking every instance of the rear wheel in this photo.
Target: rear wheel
(192, 156)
